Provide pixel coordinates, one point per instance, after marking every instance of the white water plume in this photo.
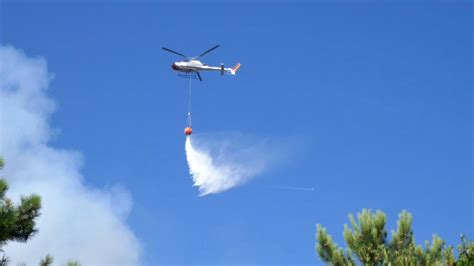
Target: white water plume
(218, 166)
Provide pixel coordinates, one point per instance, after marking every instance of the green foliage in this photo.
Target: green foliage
(402, 249)
(73, 263)
(4, 260)
(47, 261)
(466, 252)
(17, 223)
(329, 251)
(366, 239)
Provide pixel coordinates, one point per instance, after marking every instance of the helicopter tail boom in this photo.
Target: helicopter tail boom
(234, 69)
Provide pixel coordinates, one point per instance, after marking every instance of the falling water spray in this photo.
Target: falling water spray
(220, 171)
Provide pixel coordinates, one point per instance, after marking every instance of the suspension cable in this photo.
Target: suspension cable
(189, 121)
(189, 99)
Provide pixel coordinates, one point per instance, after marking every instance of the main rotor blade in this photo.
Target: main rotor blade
(208, 51)
(199, 76)
(174, 52)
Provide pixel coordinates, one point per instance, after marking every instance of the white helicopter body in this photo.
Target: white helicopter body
(193, 65)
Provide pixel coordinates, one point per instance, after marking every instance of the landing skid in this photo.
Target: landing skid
(188, 76)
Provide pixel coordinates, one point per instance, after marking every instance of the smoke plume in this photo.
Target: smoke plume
(219, 165)
(77, 222)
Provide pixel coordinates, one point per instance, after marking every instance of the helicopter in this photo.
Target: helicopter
(191, 65)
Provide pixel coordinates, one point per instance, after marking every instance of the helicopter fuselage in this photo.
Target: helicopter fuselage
(191, 65)
(195, 66)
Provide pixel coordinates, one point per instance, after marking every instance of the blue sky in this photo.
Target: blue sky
(374, 98)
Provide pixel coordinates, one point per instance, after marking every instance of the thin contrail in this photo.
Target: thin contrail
(296, 188)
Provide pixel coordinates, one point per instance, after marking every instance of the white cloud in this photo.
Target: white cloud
(77, 222)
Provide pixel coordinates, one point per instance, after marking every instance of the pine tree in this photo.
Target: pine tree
(47, 261)
(367, 243)
(17, 223)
